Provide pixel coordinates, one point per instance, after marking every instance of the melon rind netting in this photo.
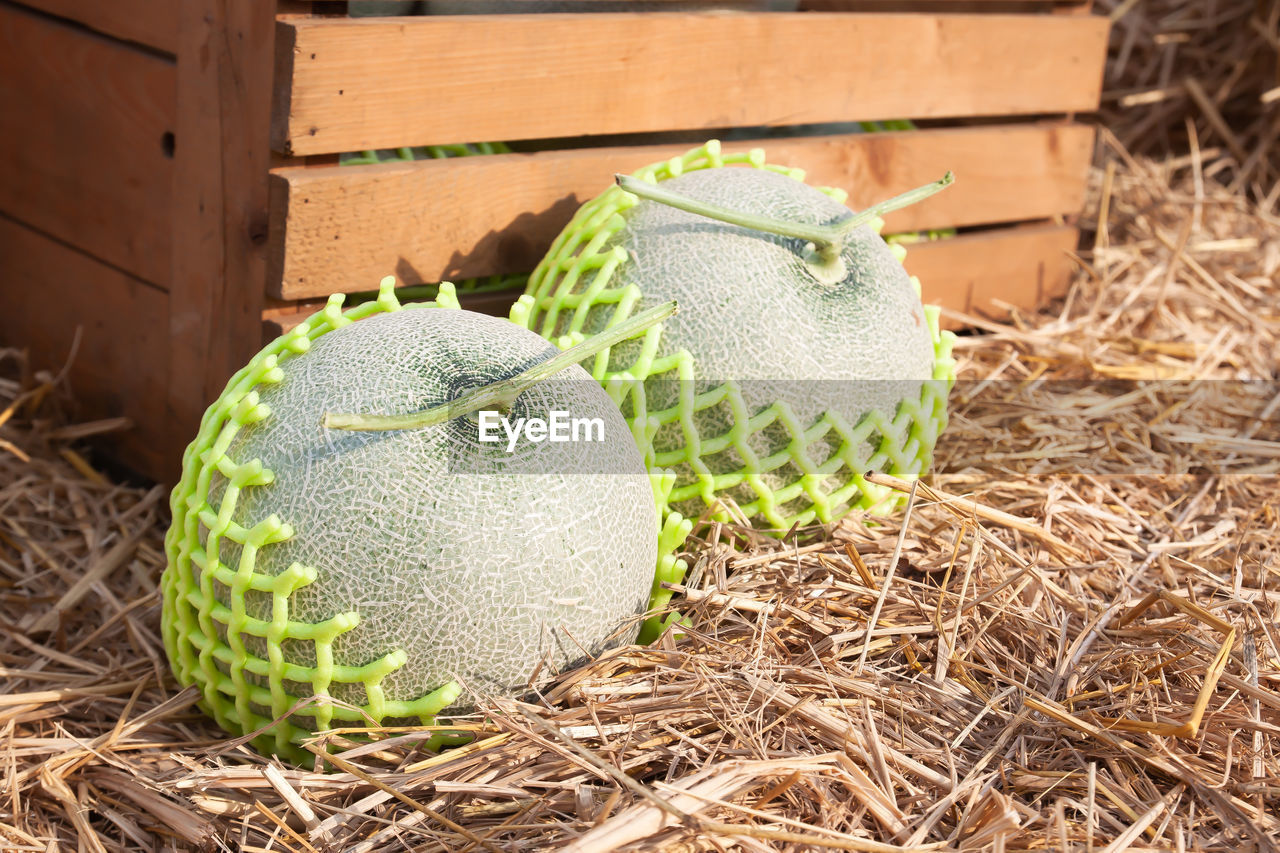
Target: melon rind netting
(205, 639)
(194, 621)
(574, 283)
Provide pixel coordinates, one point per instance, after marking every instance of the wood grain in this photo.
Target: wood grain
(1024, 265)
(220, 210)
(376, 83)
(48, 291)
(153, 23)
(82, 128)
(343, 228)
(966, 6)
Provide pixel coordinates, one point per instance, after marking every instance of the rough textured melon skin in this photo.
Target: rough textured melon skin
(792, 389)
(856, 346)
(426, 557)
(763, 316)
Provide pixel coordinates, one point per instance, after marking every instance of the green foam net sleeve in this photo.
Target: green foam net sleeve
(207, 632)
(576, 283)
(238, 661)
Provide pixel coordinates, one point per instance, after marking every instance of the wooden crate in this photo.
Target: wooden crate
(174, 189)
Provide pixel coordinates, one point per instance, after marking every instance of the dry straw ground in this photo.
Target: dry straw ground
(1068, 641)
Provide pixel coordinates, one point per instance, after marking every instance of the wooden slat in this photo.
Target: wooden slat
(935, 5)
(1024, 266)
(48, 290)
(472, 7)
(153, 23)
(541, 6)
(220, 210)
(82, 136)
(389, 8)
(343, 228)
(349, 85)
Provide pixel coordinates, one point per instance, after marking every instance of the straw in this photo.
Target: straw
(1077, 648)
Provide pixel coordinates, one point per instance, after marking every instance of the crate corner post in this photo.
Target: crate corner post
(225, 62)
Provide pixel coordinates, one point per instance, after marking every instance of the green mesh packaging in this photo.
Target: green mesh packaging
(237, 630)
(205, 639)
(784, 471)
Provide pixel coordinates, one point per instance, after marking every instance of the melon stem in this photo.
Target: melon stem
(502, 394)
(828, 240)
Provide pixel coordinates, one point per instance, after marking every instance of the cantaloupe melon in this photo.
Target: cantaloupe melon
(393, 574)
(780, 385)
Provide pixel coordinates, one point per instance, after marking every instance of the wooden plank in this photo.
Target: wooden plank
(390, 8)
(350, 85)
(153, 23)
(220, 211)
(48, 290)
(966, 6)
(383, 8)
(1025, 266)
(343, 228)
(387, 8)
(83, 129)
